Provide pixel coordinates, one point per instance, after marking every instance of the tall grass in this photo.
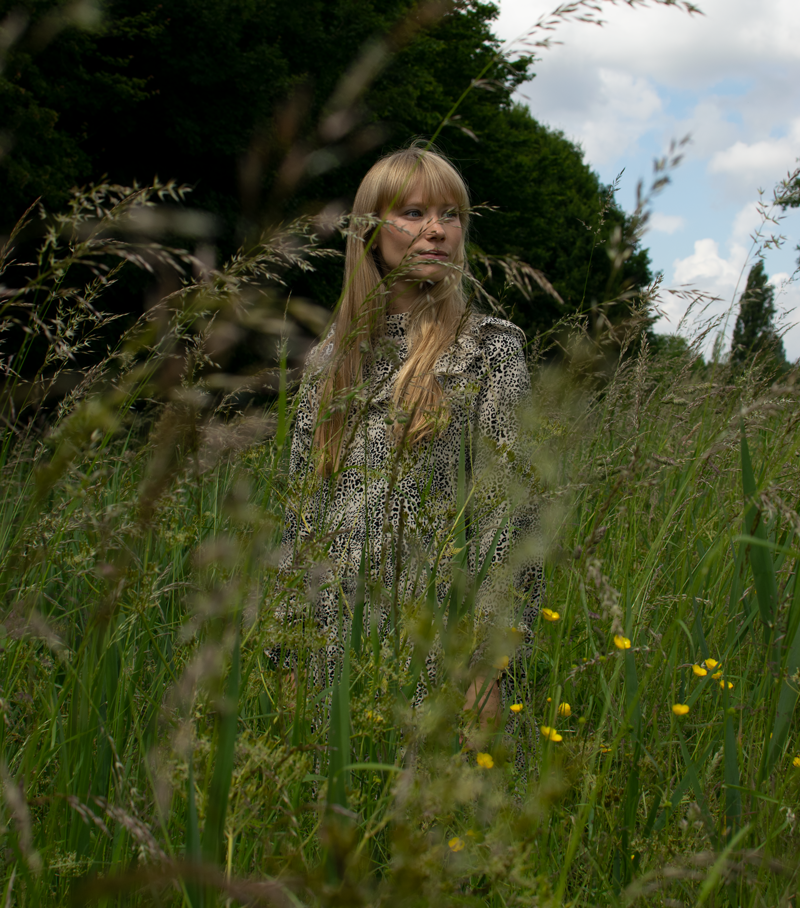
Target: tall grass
(151, 749)
(152, 753)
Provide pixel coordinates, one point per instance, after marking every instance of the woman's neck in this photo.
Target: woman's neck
(403, 297)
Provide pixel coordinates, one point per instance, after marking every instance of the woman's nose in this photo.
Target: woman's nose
(434, 227)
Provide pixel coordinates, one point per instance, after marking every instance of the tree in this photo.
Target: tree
(754, 333)
(189, 89)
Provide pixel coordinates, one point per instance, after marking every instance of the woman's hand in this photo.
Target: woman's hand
(483, 699)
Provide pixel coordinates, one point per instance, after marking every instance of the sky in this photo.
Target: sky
(730, 79)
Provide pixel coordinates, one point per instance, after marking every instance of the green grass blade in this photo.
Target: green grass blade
(193, 851)
(227, 722)
(787, 698)
(760, 560)
(733, 796)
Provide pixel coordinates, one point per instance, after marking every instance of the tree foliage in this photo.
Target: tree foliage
(754, 333)
(213, 92)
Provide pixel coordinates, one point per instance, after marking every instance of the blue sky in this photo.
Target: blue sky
(729, 78)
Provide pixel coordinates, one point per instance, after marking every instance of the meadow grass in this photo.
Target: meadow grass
(151, 751)
(152, 754)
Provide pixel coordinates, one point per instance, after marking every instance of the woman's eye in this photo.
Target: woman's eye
(413, 213)
(450, 215)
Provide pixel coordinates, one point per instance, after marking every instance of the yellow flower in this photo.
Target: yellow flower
(716, 676)
(564, 709)
(796, 762)
(723, 683)
(605, 749)
(551, 734)
(711, 664)
(549, 615)
(516, 707)
(485, 760)
(680, 709)
(700, 671)
(502, 663)
(456, 844)
(621, 642)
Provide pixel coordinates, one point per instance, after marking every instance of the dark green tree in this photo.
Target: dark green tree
(754, 333)
(200, 91)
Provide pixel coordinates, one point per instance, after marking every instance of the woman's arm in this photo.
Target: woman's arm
(505, 494)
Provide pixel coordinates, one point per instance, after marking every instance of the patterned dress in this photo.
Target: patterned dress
(393, 515)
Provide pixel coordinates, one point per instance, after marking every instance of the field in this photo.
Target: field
(152, 754)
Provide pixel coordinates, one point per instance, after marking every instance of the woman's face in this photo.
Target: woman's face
(420, 239)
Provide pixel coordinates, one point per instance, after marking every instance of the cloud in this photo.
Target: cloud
(787, 301)
(713, 274)
(668, 45)
(708, 267)
(729, 78)
(607, 87)
(623, 106)
(759, 163)
(666, 223)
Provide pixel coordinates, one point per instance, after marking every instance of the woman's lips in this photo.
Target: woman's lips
(431, 255)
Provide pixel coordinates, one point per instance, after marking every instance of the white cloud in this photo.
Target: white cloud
(709, 268)
(729, 78)
(666, 223)
(668, 45)
(706, 284)
(713, 274)
(622, 106)
(787, 300)
(605, 86)
(759, 163)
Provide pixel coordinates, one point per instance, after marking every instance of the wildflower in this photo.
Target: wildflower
(716, 676)
(723, 683)
(516, 707)
(680, 709)
(549, 699)
(502, 663)
(711, 664)
(564, 709)
(549, 615)
(456, 844)
(605, 749)
(796, 762)
(621, 642)
(485, 760)
(551, 734)
(700, 671)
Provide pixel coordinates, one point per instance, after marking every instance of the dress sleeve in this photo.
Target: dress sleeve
(289, 609)
(300, 467)
(505, 494)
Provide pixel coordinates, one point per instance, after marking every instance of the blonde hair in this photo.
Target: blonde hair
(433, 321)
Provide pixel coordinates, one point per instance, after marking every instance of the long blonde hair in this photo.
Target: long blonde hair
(433, 321)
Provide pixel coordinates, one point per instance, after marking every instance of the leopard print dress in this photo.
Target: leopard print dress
(376, 529)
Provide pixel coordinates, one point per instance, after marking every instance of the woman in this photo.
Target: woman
(406, 435)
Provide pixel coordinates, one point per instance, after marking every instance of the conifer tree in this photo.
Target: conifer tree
(755, 332)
